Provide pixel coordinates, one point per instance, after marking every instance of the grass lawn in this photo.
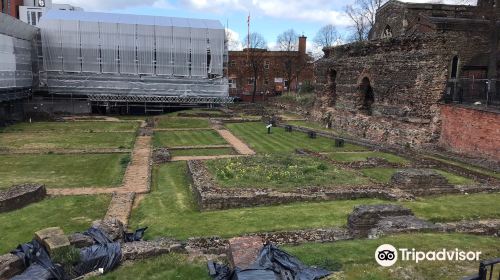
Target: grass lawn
(182, 123)
(59, 171)
(255, 135)
(71, 213)
(188, 138)
(80, 126)
(383, 175)
(165, 267)
(203, 152)
(280, 172)
(468, 166)
(61, 140)
(363, 156)
(169, 210)
(356, 258)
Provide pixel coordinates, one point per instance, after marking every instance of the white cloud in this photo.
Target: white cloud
(234, 40)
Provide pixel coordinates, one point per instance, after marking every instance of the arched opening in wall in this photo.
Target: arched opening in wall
(454, 67)
(387, 32)
(332, 86)
(367, 95)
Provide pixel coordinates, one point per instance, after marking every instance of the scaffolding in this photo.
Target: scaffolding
(16, 74)
(118, 56)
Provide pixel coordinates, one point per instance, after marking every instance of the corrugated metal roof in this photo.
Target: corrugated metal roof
(131, 19)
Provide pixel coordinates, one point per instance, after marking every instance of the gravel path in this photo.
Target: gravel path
(237, 144)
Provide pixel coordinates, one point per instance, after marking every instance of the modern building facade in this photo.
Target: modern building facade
(32, 10)
(11, 7)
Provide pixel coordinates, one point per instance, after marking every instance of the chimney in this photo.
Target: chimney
(302, 45)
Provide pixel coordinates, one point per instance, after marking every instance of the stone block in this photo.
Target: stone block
(113, 227)
(366, 217)
(52, 238)
(19, 196)
(10, 265)
(418, 178)
(80, 240)
(243, 251)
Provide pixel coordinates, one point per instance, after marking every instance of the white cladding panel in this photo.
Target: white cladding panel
(131, 44)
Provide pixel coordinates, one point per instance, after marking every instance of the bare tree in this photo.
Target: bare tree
(288, 42)
(362, 14)
(232, 42)
(255, 59)
(327, 36)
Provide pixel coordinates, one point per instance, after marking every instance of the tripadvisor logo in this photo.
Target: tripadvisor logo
(387, 255)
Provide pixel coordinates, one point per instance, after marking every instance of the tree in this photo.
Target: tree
(327, 36)
(255, 59)
(232, 41)
(288, 42)
(362, 14)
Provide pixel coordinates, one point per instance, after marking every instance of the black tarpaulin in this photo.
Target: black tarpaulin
(273, 263)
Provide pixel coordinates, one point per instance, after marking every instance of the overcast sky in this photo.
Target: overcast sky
(268, 17)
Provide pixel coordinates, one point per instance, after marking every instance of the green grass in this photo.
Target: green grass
(165, 267)
(383, 175)
(363, 156)
(188, 138)
(255, 135)
(80, 126)
(71, 213)
(182, 123)
(468, 166)
(59, 171)
(280, 172)
(202, 152)
(356, 257)
(169, 210)
(62, 140)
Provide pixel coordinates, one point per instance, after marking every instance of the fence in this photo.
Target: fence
(470, 91)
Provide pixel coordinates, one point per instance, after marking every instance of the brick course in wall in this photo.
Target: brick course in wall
(470, 131)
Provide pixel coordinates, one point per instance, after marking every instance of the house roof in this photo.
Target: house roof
(131, 19)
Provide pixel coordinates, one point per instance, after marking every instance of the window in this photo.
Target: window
(454, 67)
(266, 64)
(232, 83)
(33, 18)
(387, 32)
(232, 63)
(266, 82)
(250, 81)
(367, 95)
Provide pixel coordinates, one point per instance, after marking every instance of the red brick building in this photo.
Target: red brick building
(11, 7)
(280, 70)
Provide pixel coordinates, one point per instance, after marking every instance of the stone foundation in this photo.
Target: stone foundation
(19, 196)
(364, 218)
(211, 197)
(243, 251)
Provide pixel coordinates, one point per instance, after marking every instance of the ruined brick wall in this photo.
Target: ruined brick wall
(400, 16)
(470, 131)
(407, 76)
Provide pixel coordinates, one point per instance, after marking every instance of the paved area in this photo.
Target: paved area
(120, 207)
(237, 144)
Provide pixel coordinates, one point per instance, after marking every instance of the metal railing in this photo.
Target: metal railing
(486, 271)
(473, 91)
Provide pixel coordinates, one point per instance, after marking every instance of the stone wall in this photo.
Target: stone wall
(19, 196)
(470, 131)
(407, 77)
(209, 196)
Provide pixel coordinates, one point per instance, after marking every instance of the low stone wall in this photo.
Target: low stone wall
(19, 196)
(211, 197)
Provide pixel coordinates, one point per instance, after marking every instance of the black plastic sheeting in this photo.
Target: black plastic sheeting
(134, 236)
(38, 263)
(105, 255)
(101, 256)
(271, 264)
